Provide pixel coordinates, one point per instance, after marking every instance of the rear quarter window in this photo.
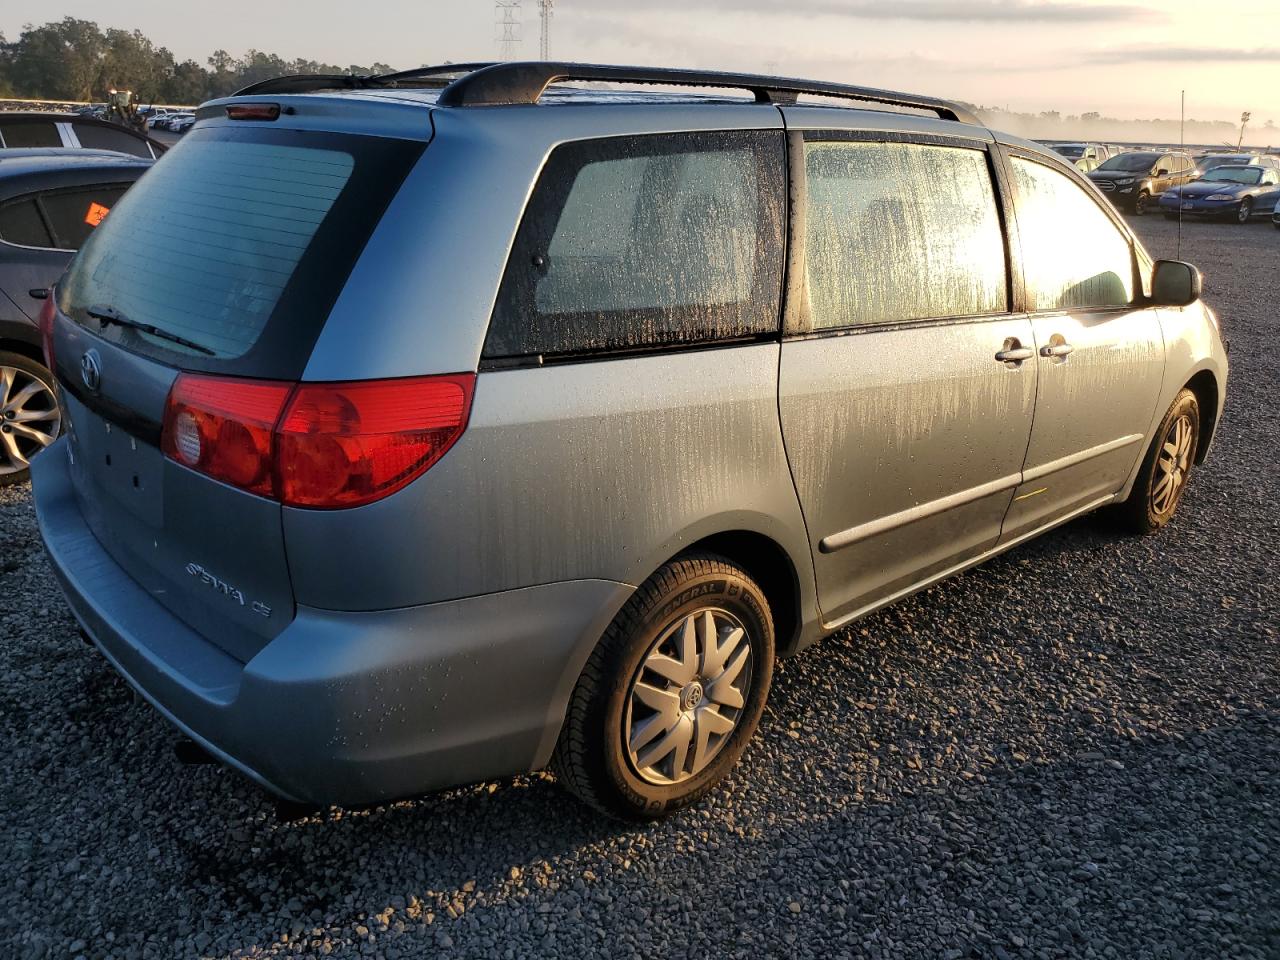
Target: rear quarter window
(632, 243)
(106, 138)
(39, 133)
(21, 223)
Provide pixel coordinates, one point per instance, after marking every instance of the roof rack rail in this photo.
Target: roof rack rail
(525, 82)
(309, 82)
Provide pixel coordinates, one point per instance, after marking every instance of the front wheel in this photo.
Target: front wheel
(1165, 469)
(672, 694)
(1140, 203)
(1245, 211)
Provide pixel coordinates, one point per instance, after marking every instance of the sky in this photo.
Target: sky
(1121, 59)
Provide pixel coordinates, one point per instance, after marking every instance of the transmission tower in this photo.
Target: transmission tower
(506, 16)
(544, 12)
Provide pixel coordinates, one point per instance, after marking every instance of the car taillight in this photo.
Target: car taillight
(317, 445)
(46, 330)
(223, 427)
(344, 444)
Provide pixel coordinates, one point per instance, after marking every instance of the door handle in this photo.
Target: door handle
(1056, 350)
(1014, 352)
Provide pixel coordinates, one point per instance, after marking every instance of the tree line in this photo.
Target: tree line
(72, 59)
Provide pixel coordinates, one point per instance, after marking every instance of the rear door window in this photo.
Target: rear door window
(901, 231)
(107, 138)
(238, 241)
(641, 242)
(21, 223)
(75, 214)
(1073, 255)
(35, 133)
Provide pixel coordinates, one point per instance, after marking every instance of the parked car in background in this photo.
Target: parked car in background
(1230, 192)
(51, 200)
(324, 501)
(30, 129)
(1084, 156)
(1131, 180)
(1208, 161)
(181, 123)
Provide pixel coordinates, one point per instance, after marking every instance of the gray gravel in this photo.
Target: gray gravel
(1072, 751)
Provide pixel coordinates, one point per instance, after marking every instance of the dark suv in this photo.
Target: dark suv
(1132, 180)
(50, 202)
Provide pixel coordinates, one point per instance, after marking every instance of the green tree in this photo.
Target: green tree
(57, 61)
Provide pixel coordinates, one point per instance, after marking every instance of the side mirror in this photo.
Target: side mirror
(1175, 284)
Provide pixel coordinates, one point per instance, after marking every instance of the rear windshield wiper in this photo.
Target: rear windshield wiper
(107, 315)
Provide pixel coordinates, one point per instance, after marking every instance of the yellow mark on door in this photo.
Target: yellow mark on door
(1031, 494)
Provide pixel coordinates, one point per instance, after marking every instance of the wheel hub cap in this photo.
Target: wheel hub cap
(30, 418)
(687, 696)
(1173, 465)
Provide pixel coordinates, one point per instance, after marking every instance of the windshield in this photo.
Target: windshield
(1208, 163)
(1131, 162)
(1070, 149)
(1234, 174)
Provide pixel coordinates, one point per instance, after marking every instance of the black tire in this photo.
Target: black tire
(1245, 211)
(592, 758)
(1140, 203)
(29, 370)
(1145, 511)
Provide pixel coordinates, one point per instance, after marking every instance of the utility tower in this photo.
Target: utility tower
(506, 17)
(544, 12)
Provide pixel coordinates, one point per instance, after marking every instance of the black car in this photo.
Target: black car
(44, 129)
(50, 201)
(1132, 180)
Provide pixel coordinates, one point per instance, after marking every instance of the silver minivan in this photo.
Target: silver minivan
(474, 422)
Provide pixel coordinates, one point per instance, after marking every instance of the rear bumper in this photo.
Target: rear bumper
(343, 708)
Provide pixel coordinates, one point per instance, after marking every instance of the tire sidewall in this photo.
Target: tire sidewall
(720, 589)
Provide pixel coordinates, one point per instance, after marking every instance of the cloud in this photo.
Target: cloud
(935, 11)
(1188, 55)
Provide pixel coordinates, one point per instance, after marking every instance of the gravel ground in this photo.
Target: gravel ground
(1094, 771)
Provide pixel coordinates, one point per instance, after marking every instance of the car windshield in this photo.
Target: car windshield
(1208, 163)
(1234, 174)
(1130, 162)
(1070, 149)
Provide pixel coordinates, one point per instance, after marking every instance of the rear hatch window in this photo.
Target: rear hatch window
(235, 245)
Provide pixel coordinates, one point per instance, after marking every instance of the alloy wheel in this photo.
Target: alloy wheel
(29, 418)
(687, 696)
(1245, 211)
(1172, 465)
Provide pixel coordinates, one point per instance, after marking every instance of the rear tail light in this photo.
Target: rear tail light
(47, 311)
(223, 427)
(318, 445)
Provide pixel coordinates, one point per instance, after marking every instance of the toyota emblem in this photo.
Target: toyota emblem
(91, 370)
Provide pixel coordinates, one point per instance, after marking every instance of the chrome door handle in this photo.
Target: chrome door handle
(1015, 354)
(1056, 350)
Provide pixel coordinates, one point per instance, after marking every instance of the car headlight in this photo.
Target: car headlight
(1220, 196)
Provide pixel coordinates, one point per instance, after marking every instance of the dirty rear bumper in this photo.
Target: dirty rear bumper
(343, 708)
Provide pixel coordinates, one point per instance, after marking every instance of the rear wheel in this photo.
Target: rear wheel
(673, 692)
(29, 415)
(1166, 468)
(1245, 211)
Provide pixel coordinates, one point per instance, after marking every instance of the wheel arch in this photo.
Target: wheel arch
(1205, 387)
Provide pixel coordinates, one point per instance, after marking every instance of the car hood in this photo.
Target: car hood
(1118, 174)
(1203, 188)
